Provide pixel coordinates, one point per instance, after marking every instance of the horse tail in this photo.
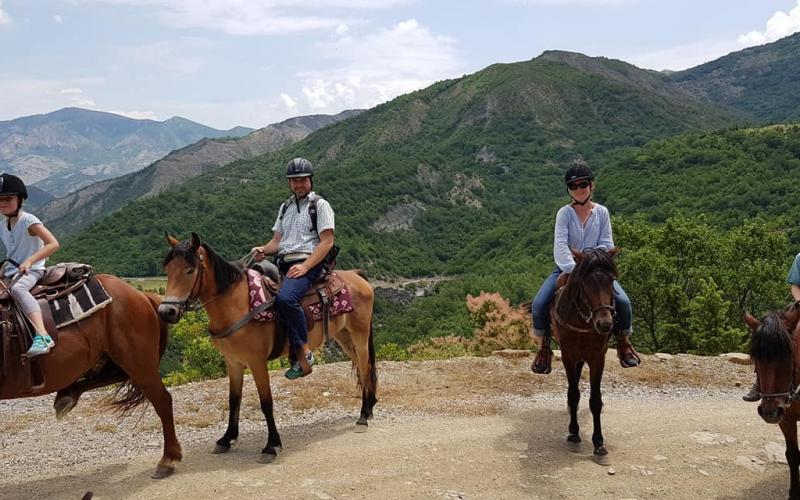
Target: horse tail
(126, 397)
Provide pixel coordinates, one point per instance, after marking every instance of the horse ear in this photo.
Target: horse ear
(751, 321)
(171, 240)
(613, 252)
(195, 241)
(575, 253)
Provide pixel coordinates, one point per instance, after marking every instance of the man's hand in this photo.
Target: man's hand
(297, 270)
(23, 268)
(258, 253)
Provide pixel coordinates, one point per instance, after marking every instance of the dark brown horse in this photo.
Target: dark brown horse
(196, 273)
(123, 341)
(582, 315)
(776, 354)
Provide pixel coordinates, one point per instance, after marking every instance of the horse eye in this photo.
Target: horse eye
(190, 271)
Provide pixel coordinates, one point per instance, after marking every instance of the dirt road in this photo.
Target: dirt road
(463, 428)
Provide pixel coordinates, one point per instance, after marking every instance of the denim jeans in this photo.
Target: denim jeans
(288, 304)
(540, 308)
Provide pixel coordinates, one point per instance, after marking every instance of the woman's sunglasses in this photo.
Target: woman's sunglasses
(579, 185)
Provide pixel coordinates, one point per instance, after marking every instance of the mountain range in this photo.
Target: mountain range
(70, 148)
(69, 214)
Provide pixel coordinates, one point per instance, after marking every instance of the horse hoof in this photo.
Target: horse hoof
(361, 428)
(267, 458)
(574, 446)
(162, 471)
(63, 405)
(219, 449)
(601, 459)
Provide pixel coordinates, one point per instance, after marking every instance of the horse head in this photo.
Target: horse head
(590, 287)
(184, 265)
(772, 349)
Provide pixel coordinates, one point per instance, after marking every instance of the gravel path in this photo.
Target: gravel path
(461, 428)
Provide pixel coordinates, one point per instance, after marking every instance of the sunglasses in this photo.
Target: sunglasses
(579, 185)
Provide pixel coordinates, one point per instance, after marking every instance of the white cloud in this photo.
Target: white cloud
(4, 17)
(246, 17)
(373, 68)
(570, 2)
(288, 101)
(342, 29)
(779, 25)
(57, 18)
(174, 56)
(682, 56)
(25, 97)
(137, 115)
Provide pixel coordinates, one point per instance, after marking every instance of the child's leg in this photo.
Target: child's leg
(21, 292)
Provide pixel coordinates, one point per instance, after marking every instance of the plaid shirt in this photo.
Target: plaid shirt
(297, 235)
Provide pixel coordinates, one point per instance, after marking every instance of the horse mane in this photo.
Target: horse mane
(595, 260)
(226, 273)
(771, 340)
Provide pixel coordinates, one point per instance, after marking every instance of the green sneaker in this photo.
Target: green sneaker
(41, 345)
(296, 371)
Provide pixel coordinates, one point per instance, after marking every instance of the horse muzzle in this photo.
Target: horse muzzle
(773, 414)
(603, 326)
(170, 313)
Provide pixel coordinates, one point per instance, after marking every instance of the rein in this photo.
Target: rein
(587, 318)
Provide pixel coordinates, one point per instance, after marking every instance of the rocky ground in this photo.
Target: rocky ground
(459, 428)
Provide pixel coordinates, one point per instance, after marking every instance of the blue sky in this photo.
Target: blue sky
(254, 62)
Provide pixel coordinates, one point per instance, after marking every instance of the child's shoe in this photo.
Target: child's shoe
(41, 345)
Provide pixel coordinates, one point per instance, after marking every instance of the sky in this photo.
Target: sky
(225, 63)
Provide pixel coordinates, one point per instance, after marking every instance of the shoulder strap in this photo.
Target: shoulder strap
(285, 205)
(312, 210)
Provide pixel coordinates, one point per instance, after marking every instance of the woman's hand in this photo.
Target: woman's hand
(23, 268)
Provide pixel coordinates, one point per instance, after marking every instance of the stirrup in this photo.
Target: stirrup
(626, 352)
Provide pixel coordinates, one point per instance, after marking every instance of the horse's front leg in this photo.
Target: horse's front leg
(235, 381)
(261, 376)
(573, 398)
(789, 428)
(600, 454)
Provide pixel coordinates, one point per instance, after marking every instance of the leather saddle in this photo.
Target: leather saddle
(322, 290)
(15, 330)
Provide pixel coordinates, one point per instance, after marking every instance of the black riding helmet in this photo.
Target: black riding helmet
(299, 167)
(11, 185)
(577, 172)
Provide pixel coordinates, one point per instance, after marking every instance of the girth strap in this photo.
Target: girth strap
(244, 320)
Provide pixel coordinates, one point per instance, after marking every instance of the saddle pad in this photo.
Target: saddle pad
(80, 304)
(342, 302)
(258, 297)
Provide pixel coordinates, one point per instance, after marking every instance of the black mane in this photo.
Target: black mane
(595, 261)
(771, 340)
(225, 273)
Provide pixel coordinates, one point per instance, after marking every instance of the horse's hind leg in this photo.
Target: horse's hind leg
(600, 453)
(573, 398)
(261, 377)
(235, 382)
(789, 428)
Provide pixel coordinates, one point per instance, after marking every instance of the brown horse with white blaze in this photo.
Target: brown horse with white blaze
(775, 350)
(196, 273)
(122, 342)
(582, 316)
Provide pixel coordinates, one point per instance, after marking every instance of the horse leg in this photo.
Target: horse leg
(235, 382)
(67, 398)
(600, 454)
(261, 376)
(789, 428)
(367, 373)
(153, 389)
(573, 398)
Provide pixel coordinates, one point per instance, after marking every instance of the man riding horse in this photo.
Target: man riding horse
(303, 236)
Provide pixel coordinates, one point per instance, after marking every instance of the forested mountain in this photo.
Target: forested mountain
(72, 147)
(71, 213)
(443, 180)
(762, 81)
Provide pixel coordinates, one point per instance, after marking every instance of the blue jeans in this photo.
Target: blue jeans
(540, 308)
(288, 303)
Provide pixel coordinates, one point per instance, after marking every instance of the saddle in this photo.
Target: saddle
(321, 291)
(15, 330)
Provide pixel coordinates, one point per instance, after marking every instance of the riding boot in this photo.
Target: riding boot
(542, 363)
(628, 357)
(754, 394)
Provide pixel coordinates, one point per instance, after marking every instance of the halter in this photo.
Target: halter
(192, 301)
(587, 318)
(793, 394)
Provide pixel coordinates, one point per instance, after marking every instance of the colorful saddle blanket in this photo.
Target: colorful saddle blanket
(340, 303)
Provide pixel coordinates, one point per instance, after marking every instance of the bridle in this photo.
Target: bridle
(578, 302)
(192, 301)
(793, 394)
